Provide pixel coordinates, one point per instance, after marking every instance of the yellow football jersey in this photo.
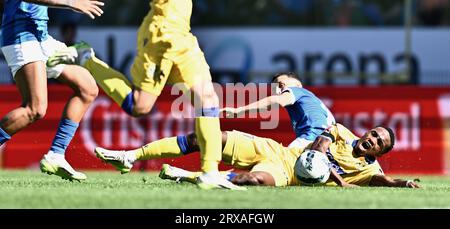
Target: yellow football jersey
(354, 170)
(167, 51)
(172, 15)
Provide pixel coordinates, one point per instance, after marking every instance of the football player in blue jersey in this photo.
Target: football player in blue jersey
(26, 46)
(309, 115)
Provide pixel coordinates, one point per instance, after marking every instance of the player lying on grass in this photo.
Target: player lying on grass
(270, 163)
(309, 115)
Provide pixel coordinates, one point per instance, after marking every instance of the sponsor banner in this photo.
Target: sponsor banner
(250, 53)
(419, 116)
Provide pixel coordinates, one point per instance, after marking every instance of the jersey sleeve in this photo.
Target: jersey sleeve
(296, 93)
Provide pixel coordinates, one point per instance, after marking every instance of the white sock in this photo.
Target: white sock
(131, 156)
(53, 154)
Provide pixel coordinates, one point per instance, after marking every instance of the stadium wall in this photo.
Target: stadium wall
(420, 117)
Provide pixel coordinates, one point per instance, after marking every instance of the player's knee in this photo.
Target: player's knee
(253, 180)
(37, 112)
(210, 95)
(92, 90)
(89, 90)
(264, 178)
(206, 94)
(143, 103)
(89, 93)
(140, 110)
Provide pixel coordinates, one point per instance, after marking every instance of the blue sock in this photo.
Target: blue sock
(3, 136)
(183, 144)
(64, 135)
(208, 112)
(128, 104)
(231, 175)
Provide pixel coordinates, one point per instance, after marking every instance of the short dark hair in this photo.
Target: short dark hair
(288, 74)
(391, 136)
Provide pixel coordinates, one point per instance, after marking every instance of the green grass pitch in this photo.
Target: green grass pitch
(31, 189)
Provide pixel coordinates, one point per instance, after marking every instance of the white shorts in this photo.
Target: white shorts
(19, 55)
(299, 143)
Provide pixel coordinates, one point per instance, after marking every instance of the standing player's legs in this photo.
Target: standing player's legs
(207, 125)
(27, 65)
(80, 80)
(190, 71)
(31, 80)
(85, 91)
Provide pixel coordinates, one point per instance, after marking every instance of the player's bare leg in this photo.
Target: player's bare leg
(31, 80)
(85, 91)
(143, 102)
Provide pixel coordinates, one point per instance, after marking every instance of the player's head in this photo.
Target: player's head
(286, 79)
(375, 142)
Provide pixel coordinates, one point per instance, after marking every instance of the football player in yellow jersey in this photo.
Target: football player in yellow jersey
(167, 52)
(270, 163)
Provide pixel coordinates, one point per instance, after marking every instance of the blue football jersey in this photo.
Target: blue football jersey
(23, 21)
(309, 116)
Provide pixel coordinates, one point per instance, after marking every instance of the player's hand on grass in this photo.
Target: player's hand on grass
(412, 183)
(88, 7)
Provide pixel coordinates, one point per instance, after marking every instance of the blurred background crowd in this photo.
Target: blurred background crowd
(312, 13)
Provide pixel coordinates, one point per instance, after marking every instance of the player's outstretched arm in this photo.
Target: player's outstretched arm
(385, 181)
(254, 178)
(88, 7)
(260, 105)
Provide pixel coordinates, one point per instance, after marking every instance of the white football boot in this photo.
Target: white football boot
(121, 160)
(213, 180)
(55, 163)
(176, 174)
(77, 54)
